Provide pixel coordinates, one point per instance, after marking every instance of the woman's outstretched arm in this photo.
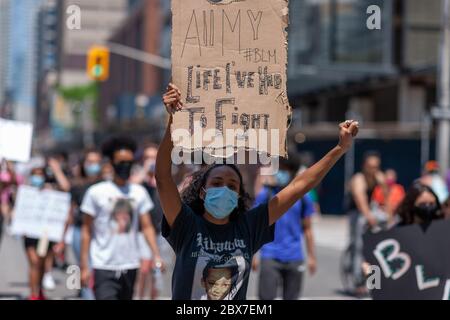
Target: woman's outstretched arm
(311, 177)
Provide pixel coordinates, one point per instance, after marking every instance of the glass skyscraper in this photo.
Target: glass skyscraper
(4, 44)
(22, 58)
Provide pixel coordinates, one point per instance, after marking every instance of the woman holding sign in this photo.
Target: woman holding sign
(37, 252)
(210, 224)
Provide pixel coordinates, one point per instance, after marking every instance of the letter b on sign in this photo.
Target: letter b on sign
(393, 262)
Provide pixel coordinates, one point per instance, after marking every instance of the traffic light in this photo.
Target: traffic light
(98, 63)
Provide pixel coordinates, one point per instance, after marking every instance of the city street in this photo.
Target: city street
(330, 235)
(230, 119)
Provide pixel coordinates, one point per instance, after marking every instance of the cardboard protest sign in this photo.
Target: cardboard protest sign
(229, 60)
(414, 262)
(15, 140)
(38, 213)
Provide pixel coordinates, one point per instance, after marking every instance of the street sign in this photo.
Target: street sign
(441, 114)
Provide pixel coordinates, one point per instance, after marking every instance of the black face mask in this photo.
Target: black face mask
(426, 212)
(123, 169)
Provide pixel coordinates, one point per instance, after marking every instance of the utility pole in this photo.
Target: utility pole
(442, 113)
(349, 158)
(425, 139)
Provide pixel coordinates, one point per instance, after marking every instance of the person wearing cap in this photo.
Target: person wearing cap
(432, 178)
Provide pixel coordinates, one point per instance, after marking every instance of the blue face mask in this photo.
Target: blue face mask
(283, 178)
(37, 181)
(220, 202)
(92, 170)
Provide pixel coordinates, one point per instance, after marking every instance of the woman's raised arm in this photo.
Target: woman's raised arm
(167, 189)
(311, 177)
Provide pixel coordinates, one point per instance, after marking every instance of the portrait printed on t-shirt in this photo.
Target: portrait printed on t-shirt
(121, 218)
(218, 277)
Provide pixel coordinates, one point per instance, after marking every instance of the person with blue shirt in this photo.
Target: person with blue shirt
(282, 261)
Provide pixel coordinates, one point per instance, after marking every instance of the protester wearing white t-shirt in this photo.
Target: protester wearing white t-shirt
(113, 211)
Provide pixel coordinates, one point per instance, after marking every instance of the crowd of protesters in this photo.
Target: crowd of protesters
(125, 198)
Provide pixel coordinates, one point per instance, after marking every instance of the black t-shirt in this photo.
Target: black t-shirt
(351, 205)
(214, 261)
(156, 213)
(77, 194)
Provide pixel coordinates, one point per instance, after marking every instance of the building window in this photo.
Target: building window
(330, 32)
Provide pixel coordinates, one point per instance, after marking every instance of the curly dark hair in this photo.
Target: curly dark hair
(405, 209)
(118, 143)
(191, 195)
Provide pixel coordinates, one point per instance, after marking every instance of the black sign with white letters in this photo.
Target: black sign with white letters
(410, 262)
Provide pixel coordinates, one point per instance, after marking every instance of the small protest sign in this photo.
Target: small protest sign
(39, 213)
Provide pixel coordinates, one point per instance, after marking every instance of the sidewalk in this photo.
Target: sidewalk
(331, 231)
